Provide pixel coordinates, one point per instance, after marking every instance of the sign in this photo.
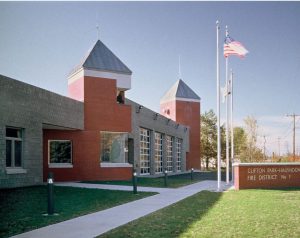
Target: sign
(266, 175)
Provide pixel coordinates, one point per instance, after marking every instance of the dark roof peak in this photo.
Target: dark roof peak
(180, 90)
(103, 59)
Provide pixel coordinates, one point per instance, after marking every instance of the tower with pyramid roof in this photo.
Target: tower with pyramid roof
(182, 105)
(100, 62)
(100, 81)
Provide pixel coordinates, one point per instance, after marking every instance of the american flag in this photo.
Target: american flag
(232, 47)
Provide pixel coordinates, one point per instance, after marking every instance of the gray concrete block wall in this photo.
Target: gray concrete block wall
(146, 118)
(31, 108)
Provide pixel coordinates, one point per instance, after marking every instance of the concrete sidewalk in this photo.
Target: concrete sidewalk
(113, 187)
(100, 222)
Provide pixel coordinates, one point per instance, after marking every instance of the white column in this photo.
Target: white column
(231, 125)
(218, 110)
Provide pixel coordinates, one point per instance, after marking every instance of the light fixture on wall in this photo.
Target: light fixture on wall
(185, 129)
(155, 116)
(177, 125)
(138, 108)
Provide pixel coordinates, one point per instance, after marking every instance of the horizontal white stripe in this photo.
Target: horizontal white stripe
(263, 164)
(123, 80)
(115, 165)
(180, 99)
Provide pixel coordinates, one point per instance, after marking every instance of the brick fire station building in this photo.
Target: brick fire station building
(95, 133)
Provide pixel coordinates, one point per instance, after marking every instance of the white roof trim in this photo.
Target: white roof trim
(76, 75)
(123, 80)
(179, 99)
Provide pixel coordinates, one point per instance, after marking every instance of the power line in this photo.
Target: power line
(294, 132)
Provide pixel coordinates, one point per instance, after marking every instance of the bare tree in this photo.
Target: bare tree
(252, 152)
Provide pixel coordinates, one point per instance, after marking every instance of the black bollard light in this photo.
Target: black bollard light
(50, 186)
(166, 178)
(192, 174)
(134, 182)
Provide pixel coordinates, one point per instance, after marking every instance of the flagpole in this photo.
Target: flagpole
(227, 131)
(231, 123)
(218, 111)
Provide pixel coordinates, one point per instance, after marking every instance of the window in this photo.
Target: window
(169, 147)
(13, 137)
(114, 147)
(60, 152)
(158, 153)
(144, 151)
(178, 151)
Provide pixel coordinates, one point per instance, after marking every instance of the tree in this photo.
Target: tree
(251, 153)
(223, 142)
(240, 141)
(208, 137)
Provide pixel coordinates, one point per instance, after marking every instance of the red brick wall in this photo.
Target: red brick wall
(188, 113)
(101, 110)
(267, 176)
(76, 89)
(170, 107)
(101, 113)
(85, 155)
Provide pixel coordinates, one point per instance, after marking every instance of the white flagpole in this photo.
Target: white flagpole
(218, 111)
(231, 125)
(227, 129)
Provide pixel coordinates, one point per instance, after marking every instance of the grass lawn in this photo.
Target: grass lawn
(21, 209)
(173, 181)
(245, 213)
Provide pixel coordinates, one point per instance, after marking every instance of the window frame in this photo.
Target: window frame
(179, 154)
(158, 153)
(144, 169)
(60, 165)
(123, 163)
(169, 153)
(13, 155)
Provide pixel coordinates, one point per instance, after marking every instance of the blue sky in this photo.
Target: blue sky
(41, 42)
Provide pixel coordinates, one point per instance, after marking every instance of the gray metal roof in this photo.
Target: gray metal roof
(101, 58)
(180, 90)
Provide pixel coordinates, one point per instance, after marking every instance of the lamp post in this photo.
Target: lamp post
(192, 174)
(166, 178)
(134, 182)
(50, 194)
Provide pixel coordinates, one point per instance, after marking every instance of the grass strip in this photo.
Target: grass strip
(245, 213)
(21, 209)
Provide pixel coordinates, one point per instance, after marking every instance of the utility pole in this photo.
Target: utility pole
(294, 133)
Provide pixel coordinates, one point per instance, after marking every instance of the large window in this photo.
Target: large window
(158, 153)
(169, 157)
(60, 152)
(114, 147)
(144, 151)
(13, 137)
(179, 155)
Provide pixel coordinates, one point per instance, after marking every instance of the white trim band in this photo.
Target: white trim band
(266, 164)
(123, 80)
(180, 99)
(15, 171)
(115, 165)
(60, 165)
